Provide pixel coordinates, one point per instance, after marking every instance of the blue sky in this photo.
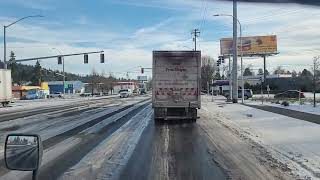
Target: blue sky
(129, 30)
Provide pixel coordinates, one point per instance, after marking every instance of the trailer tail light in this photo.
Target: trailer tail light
(302, 94)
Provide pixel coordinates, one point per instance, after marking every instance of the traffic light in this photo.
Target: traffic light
(142, 70)
(59, 60)
(101, 58)
(221, 59)
(85, 57)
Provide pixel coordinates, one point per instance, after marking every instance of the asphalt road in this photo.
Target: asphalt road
(172, 151)
(24, 157)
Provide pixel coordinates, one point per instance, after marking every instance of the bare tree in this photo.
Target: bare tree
(280, 70)
(207, 71)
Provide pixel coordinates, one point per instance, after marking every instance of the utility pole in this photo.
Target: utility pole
(230, 80)
(196, 34)
(315, 68)
(235, 55)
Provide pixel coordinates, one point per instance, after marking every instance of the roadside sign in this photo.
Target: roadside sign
(65, 85)
(250, 45)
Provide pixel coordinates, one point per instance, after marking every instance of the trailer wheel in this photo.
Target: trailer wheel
(5, 104)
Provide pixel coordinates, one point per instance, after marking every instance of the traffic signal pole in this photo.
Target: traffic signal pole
(56, 56)
(60, 56)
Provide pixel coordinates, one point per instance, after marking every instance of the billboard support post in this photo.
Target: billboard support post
(264, 71)
(235, 54)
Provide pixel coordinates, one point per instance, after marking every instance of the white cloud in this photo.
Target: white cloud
(296, 27)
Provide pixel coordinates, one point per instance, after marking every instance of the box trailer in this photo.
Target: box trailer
(5, 87)
(176, 84)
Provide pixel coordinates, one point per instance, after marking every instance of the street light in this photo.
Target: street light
(4, 38)
(241, 54)
(64, 75)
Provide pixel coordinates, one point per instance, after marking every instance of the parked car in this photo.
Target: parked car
(289, 94)
(124, 93)
(247, 93)
(85, 94)
(56, 94)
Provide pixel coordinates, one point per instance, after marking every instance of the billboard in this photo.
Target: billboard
(250, 45)
(142, 78)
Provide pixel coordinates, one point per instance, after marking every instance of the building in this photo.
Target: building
(71, 87)
(256, 80)
(117, 86)
(31, 92)
(220, 86)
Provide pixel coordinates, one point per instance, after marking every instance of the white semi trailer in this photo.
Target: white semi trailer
(5, 87)
(176, 84)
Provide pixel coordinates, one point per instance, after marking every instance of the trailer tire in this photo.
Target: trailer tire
(5, 104)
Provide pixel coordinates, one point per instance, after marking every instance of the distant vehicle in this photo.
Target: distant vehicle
(85, 94)
(136, 92)
(247, 94)
(142, 91)
(204, 92)
(289, 94)
(56, 95)
(176, 84)
(124, 93)
(5, 87)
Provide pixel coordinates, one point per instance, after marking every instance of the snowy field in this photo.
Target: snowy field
(308, 95)
(19, 105)
(293, 142)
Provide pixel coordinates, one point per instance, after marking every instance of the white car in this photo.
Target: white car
(56, 94)
(124, 93)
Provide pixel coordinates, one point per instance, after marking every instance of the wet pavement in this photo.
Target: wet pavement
(172, 151)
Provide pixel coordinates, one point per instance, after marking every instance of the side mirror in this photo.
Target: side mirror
(23, 152)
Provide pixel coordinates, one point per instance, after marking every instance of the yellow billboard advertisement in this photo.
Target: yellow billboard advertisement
(254, 45)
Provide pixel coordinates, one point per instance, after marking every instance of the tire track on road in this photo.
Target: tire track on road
(52, 141)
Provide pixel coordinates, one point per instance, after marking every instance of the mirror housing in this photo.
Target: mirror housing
(23, 152)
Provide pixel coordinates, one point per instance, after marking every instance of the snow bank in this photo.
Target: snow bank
(291, 141)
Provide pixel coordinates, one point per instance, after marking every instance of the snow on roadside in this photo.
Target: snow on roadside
(110, 156)
(291, 141)
(307, 108)
(20, 105)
